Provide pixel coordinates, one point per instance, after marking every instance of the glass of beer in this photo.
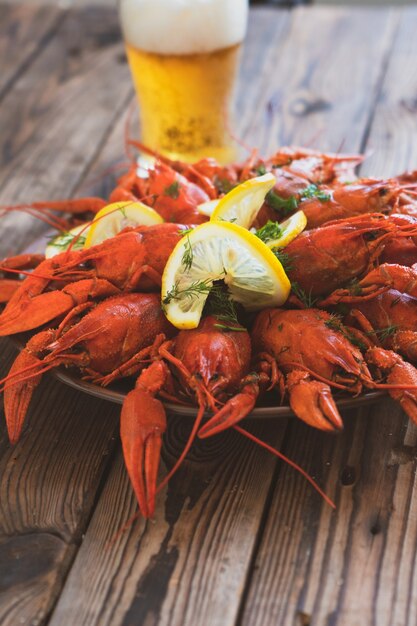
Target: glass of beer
(183, 56)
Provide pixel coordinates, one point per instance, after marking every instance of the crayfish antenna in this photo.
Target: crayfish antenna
(292, 464)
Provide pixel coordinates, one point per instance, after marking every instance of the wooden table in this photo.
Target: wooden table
(238, 538)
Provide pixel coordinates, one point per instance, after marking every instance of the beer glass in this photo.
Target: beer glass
(183, 56)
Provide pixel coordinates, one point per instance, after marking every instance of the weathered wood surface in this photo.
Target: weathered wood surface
(237, 538)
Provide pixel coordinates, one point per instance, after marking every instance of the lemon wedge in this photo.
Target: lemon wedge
(207, 208)
(113, 218)
(276, 235)
(241, 205)
(220, 251)
(75, 238)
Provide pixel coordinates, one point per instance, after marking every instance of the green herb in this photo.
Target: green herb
(223, 185)
(269, 232)
(335, 323)
(304, 297)
(354, 287)
(65, 239)
(312, 191)
(123, 212)
(188, 256)
(221, 305)
(224, 327)
(194, 289)
(260, 170)
(284, 206)
(384, 333)
(284, 258)
(185, 231)
(280, 327)
(173, 190)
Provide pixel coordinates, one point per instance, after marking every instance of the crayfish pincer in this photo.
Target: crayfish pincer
(307, 352)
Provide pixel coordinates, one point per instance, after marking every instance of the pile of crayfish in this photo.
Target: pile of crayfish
(349, 323)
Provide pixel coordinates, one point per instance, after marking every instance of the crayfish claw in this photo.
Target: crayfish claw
(21, 382)
(312, 401)
(232, 412)
(142, 423)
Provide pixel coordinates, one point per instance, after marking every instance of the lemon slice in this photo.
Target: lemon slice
(116, 216)
(75, 238)
(220, 251)
(207, 208)
(241, 205)
(276, 235)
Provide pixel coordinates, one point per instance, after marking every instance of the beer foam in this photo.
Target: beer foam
(183, 26)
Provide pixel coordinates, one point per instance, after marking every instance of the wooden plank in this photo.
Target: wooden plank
(319, 91)
(330, 567)
(391, 141)
(57, 115)
(48, 483)
(24, 31)
(355, 566)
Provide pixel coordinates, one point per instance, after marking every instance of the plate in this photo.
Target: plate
(117, 392)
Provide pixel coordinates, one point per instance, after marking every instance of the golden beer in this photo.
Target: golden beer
(184, 75)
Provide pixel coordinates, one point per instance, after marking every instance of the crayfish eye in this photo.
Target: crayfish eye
(371, 236)
(215, 376)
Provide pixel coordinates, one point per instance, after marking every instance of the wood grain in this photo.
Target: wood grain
(319, 90)
(391, 143)
(49, 136)
(24, 31)
(355, 566)
(192, 558)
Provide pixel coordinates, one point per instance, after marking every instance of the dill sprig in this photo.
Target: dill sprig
(284, 206)
(64, 239)
(188, 256)
(335, 323)
(173, 190)
(306, 298)
(384, 333)
(260, 170)
(221, 306)
(313, 191)
(194, 289)
(223, 185)
(284, 258)
(270, 231)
